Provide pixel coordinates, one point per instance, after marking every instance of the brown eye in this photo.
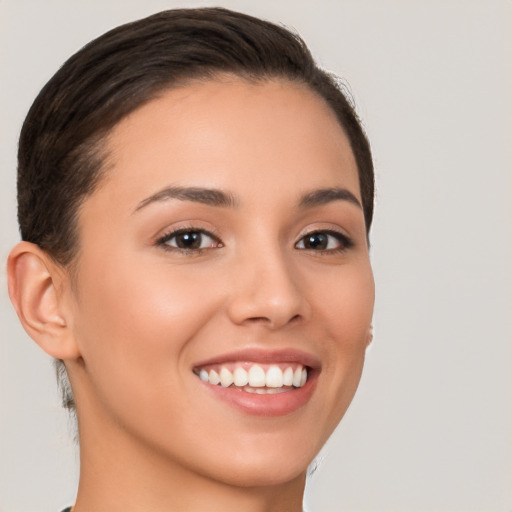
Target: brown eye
(318, 241)
(324, 241)
(189, 240)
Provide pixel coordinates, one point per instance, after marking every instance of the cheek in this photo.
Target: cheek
(345, 309)
(345, 301)
(133, 326)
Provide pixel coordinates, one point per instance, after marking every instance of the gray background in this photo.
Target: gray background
(431, 425)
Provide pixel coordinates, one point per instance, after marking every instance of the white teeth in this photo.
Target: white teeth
(213, 377)
(256, 376)
(240, 377)
(303, 377)
(264, 391)
(288, 376)
(274, 378)
(297, 376)
(226, 377)
(256, 380)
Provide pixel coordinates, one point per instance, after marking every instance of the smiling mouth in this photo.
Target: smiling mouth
(249, 377)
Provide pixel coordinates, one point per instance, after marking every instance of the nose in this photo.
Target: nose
(266, 290)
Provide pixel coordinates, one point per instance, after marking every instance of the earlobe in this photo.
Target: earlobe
(369, 339)
(33, 279)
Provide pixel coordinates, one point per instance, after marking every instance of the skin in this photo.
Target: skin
(138, 315)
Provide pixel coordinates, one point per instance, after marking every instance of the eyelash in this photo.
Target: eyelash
(163, 241)
(344, 242)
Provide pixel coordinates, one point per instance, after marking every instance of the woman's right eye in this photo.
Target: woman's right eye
(189, 240)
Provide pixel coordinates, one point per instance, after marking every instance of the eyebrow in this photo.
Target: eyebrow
(327, 195)
(215, 197)
(208, 196)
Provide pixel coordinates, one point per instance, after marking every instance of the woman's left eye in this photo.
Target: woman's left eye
(189, 240)
(324, 241)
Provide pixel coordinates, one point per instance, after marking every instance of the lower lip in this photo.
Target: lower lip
(277, 404)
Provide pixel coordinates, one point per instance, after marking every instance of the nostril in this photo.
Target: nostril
(259, 319)
(273, 322)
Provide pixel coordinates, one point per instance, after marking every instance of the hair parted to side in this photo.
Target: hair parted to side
(61, 149)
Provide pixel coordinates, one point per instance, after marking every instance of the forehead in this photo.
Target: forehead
(231, 134)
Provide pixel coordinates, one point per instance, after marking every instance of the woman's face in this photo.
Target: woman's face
(227, 241)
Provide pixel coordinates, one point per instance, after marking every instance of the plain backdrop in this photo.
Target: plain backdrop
(430, 428)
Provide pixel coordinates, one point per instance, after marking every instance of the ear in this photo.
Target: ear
(369, 339)
(36, 291)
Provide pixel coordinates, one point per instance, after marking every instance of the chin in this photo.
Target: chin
(271, 473)
(264, 466)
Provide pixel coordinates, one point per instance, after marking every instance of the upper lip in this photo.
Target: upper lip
(264, 356)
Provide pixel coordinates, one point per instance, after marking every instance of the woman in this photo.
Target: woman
(195, 197)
